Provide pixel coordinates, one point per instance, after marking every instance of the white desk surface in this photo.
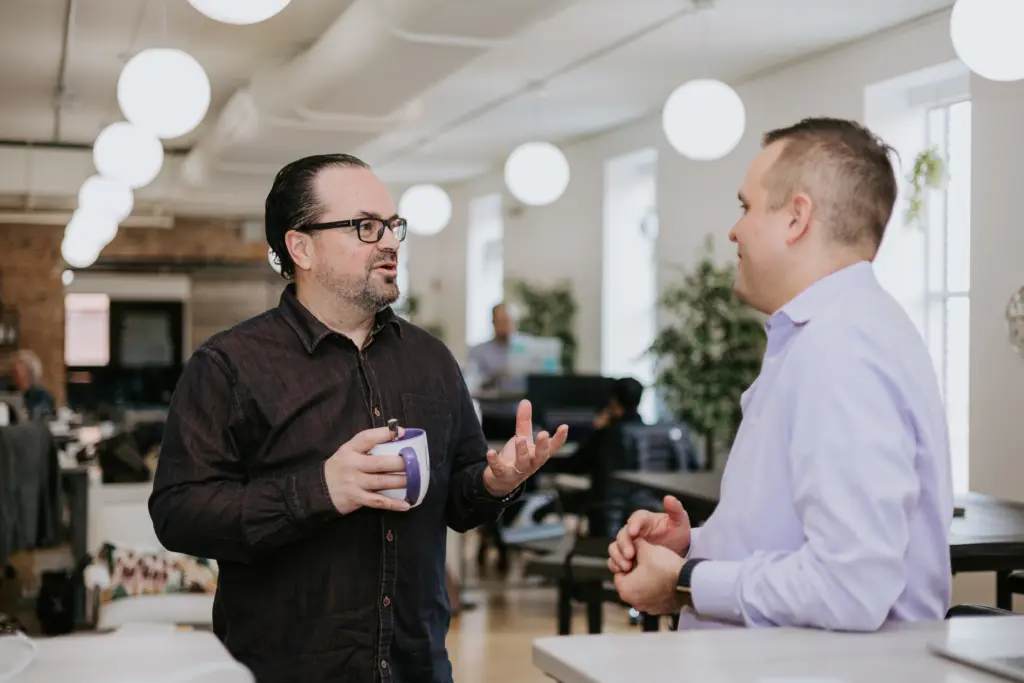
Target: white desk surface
(897, 654)
(126, 657)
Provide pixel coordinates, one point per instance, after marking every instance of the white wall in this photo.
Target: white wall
(563, 240)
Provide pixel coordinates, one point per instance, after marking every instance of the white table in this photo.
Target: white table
(897, 654)
(139, 655)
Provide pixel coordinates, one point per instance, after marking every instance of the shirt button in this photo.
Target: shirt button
(390, 537)
(387, 601)
(383, 664)
(376, 411)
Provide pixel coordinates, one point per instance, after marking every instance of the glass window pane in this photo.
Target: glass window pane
(958, 218)
(957, 390)
(936, 325)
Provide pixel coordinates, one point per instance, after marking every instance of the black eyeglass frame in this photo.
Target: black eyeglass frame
(399, 226)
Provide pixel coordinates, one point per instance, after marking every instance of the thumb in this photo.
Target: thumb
(642, 548)
(674, 510)
(368, 438)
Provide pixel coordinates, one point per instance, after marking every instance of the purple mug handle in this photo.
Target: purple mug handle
(412, 474)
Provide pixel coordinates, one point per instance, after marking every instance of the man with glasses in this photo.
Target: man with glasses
(265, 467)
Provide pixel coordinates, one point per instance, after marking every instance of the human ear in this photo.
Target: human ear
(301, 249)
(801, 210)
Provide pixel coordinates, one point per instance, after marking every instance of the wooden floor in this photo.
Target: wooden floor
(493, 642)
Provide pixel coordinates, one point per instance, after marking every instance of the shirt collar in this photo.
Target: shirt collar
(311, 331)
(821, 295)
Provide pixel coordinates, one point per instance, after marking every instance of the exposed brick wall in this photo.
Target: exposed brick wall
(31, 267)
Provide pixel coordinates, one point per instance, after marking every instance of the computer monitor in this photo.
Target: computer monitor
(573, 400)
(529, 355)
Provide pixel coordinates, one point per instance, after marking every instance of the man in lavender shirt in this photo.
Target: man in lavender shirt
(836, 500)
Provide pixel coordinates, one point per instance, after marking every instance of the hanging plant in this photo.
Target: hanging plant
(928, 173)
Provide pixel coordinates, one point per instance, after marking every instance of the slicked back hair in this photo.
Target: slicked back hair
(845, 169)
(293, 203)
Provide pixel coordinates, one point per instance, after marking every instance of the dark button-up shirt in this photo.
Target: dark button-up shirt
(305, 593)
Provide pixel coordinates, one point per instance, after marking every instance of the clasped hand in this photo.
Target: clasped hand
(646, 557)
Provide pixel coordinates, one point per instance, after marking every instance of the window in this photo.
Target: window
(86, 330)
(485, 272)
(403, 275)
(628, 276)
(948, 276)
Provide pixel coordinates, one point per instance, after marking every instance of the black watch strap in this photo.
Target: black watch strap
(686, 575)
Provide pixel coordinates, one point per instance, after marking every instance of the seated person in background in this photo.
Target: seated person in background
(600, 455)
(27, 373)
(836, 502)
(490, 359)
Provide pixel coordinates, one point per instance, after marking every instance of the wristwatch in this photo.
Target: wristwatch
(685, 577)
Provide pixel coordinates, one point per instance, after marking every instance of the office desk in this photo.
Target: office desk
(130, 657)
(897, 654)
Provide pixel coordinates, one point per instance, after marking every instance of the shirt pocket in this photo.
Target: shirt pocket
(433, 415)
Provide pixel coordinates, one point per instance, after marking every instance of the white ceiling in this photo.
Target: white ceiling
(327, 75)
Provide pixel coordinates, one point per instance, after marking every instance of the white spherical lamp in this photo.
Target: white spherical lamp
(109, 196)
(537, 173)
(239, 11)
(127, 153)
(273, 260)
(427, 208)
(986, 37)
(164, 91)
(91, 226)
(79, 249)
(704, 119)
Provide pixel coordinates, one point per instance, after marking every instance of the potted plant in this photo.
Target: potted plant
(928, 173)
(410, 310)
(708, 352)
(548, 312)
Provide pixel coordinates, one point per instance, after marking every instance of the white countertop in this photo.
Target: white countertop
(143, 655)
(897, 654)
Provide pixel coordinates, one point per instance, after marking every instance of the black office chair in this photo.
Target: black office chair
(968, 610)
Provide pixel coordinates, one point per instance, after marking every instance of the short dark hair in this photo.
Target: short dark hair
(628, 392)
(844, 167)
(292, 201)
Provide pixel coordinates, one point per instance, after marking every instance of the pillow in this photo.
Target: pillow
(136, 571)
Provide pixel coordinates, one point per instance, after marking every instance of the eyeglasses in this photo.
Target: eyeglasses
(369, 230)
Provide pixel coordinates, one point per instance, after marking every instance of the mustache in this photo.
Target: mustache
(385, 256)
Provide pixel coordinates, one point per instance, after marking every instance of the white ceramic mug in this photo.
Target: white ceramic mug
(413, 449)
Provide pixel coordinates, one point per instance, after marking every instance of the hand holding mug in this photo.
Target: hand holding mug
(355, 479)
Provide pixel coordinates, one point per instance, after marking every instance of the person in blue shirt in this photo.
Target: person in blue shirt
(27, 374)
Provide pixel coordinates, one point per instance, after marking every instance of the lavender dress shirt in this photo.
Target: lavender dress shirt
(836, 500)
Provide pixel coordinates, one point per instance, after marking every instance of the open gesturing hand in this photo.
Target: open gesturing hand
(521, 457)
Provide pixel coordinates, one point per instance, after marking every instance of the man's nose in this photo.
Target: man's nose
(388, 240)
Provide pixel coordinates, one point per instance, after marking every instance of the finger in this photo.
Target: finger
(558, 440)
(494, 461)
(367, 439)
(382, 502)
(380, 463)
(524, 420)
(617, 560)
(674, 509)
(638, 522)
(383, 482)
(625, 544)
(522, 455)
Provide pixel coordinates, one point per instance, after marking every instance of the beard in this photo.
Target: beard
(370, 290)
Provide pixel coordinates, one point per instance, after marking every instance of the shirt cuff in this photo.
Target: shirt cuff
(485, 496)
(714, 588)
(307, 495)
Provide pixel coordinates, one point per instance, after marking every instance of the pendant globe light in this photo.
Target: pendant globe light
(704, 119)
(427, 208)
(537, 173)
(165, 91)
(239, 11)
(109, 196)
(127, 153)
(986, 37)
(275, 263)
